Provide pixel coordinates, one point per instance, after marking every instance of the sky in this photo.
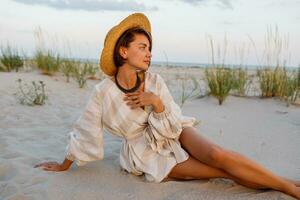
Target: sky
(238, 31)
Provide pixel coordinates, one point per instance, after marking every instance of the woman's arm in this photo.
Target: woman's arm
(158, 105)
(86, 138)
(167, 123)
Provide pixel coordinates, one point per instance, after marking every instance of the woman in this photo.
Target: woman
(159, 141)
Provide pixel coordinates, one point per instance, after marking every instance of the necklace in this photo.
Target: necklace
(137, 84)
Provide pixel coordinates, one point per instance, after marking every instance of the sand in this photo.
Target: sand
(262, 129)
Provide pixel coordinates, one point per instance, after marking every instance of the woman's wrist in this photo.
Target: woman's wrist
(158, 105)
(66, 164)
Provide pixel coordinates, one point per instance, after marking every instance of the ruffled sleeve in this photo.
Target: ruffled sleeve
(170, 122)
(86, 138)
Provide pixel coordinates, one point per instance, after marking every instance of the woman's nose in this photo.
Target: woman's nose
(149, 54)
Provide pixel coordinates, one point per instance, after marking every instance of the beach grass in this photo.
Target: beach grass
(291, 89)
(280, 83)
(91, 70)
(240, 79)
(47, 61)
(10, 59)
(219, 78)
(219, 81)
(81, 73)
(272, 81)
(67, 68)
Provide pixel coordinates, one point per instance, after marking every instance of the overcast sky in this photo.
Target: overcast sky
(181, 28)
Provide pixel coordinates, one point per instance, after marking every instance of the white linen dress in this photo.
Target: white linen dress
(151, 140)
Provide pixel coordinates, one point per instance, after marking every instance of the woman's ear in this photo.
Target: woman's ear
(123, 52)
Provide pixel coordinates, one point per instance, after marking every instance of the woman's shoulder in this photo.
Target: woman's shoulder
(155, 83)
(154, 77)
(103, 85)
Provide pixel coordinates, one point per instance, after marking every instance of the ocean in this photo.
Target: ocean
(198, 65)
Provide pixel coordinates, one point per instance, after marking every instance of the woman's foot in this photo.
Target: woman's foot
(297, 183)
(296, 193)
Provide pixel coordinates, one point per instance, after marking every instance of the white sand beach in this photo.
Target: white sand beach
(262, 129)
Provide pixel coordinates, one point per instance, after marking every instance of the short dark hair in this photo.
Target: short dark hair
(125, 39)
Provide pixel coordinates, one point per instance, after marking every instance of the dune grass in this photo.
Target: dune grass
(291, 88)
(273, 82)
(79, 70)
(67, 68)
(219, 81)
(239, 81)
(10, 59)
(81, 73)
(48, 62)
(280, 83)
(91, 70)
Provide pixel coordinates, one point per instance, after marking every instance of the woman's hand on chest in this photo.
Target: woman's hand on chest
(140, 98)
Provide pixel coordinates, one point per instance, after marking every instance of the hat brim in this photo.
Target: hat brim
(107, 64)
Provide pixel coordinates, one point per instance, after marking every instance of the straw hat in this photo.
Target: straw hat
(107, 56)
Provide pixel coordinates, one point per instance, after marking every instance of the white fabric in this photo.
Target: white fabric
(151, 145)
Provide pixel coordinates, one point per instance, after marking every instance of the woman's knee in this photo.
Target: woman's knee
(217, 156)
(220, 156)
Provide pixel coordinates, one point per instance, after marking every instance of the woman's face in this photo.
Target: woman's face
(138, 54)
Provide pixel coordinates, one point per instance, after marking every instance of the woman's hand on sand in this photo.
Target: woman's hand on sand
(51, 166)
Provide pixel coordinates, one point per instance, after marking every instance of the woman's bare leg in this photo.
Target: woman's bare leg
(233, 163)
(194, 169)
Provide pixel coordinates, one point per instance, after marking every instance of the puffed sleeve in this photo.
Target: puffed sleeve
(170, 122)
(86, 138)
